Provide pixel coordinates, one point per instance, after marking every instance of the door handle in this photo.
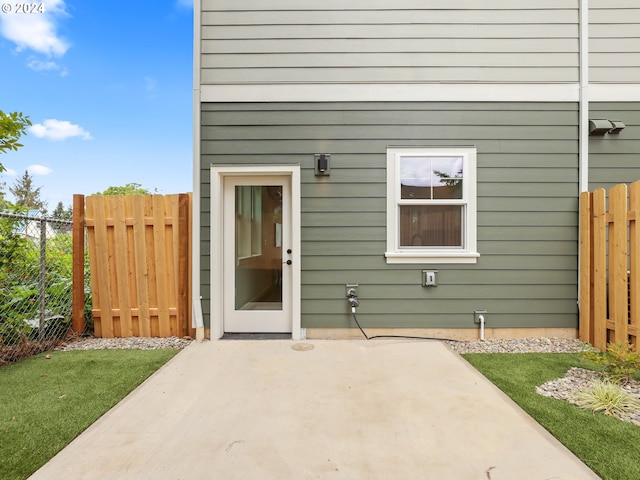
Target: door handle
(288, 262)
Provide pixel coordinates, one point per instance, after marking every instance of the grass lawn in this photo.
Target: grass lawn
(607, 445)
(46, 403)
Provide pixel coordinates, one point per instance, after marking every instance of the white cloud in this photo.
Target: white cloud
(38, 170)
(39, 65)
(53, 129)
(35, 31)
(10, 172)
(185, 3)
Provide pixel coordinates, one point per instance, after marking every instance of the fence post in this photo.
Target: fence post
(586, 269)
(77, 302)
(42, 284)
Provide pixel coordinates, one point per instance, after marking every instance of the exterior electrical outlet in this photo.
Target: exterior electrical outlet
(351, 289)
(429, 278)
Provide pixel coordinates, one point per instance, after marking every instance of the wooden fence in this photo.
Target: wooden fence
(610, 266)
(140, 262)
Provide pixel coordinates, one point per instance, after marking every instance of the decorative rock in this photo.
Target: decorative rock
(519, 345)
(580, 379)
(140, 343)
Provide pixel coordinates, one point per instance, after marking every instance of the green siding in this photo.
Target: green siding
(615, 159)
(527, 207)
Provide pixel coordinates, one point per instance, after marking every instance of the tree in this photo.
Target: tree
(128, 189)
(61, 213)
(26, 195)
(12, 127)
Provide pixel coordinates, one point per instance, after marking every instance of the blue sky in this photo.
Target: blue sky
(108, 87)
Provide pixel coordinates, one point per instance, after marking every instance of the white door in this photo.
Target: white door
(257, 254)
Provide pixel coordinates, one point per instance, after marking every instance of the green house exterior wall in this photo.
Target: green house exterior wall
(527, 179)
(615, 158)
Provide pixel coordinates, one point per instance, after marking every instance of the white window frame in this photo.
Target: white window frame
(468, 252)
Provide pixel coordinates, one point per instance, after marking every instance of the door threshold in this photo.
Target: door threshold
(256, 336)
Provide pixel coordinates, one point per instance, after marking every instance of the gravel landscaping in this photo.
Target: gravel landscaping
(519, 345)
(140, 343)
(580, 379)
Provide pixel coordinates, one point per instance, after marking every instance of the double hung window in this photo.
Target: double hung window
(431, 205)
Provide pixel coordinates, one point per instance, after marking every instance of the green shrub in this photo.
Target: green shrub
(619, 362)
(607, 397)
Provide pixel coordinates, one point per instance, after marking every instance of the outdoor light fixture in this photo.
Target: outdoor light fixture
(599, 126)
(321, 163)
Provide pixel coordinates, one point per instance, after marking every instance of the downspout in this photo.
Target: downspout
(196, 299)
(583, 168)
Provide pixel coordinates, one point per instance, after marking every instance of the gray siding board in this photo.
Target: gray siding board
(234, 5)
(434, 306)
(415, 291)
(334, 204)
(520, 188)
(613, 42)
(373, 108)
(243, 50)
(530, 247)
(343, 218)
(527, 207)
(398, 132)
(409, 275)
(373, 146)
(515, 204)
(429, 114)
(487, 247)
(526, 218)
(376, 263)
(537, 232)
(388, 41)
(497, 319)
(388, 75)
(392, 59)
(423, 16)
(241, 38)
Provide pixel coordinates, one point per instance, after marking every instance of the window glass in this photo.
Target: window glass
(431, 226)
(431, 177)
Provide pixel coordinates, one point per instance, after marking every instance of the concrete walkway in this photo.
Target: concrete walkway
(281, 410)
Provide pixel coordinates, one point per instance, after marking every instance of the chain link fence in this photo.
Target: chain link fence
(36, 266)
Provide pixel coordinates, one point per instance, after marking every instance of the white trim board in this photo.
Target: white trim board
(218, 174)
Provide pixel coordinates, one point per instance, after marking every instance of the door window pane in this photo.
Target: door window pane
(258, 259)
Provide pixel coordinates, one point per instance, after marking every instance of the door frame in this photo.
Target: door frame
(218, 175)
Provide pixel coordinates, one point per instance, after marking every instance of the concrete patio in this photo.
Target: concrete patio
(280, 409)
